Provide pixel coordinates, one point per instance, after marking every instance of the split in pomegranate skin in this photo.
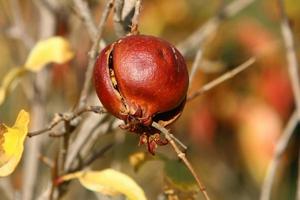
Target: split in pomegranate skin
(141, 79)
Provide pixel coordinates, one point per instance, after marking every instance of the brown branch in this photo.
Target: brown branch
(222, 78)
(93, 53)
(94, 156)
(46, 28)
(123, 13)
(81, 144)
(196, 64)
(18, 30)
(279, 150)
(135, 18)
(67, 117)
(85, 14)
(208, 33)
(196, 38)
(182, 156)
(47, 161)
(294, 78)
(290, 54)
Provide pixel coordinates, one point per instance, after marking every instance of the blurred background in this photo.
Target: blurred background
(230, 130)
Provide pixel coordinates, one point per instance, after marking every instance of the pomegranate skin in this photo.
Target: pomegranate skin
(104, 87)
(140, 78)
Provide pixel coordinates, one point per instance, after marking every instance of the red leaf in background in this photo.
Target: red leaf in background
(203, 125)
(276, 89)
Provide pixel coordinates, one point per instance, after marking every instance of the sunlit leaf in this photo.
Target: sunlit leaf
(54, 49)
(109, 182)
(137, 159)
(8, 80)
(11, 143)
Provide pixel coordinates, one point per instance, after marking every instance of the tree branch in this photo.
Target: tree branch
(182, 156)
(196, 38)
(279, 150)
(93, 53)
(85, 14)
(294, 79)
(67, 117)
(135, 18)
(221, 79)
(290, 54)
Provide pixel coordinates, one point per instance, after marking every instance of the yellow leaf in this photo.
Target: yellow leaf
(109, 182)
(8, 81)
(11, 143)
(138, 159)
(55, 49)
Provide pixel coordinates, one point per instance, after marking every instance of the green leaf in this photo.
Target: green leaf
(179, 175)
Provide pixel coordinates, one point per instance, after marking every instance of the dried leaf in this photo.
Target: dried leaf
(11, 143)
(8, 80)
(55, 49)
(109, 182)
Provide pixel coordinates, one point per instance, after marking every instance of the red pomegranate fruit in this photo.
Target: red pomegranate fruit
(141, 79)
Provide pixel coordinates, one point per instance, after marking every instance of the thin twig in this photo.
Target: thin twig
(182, 156)
(196, 63)
(179, 142)
(222, 78)
(279, 150)
(85, 14)
(78, 143)
(19, 30)
(196, 38)
(93, 53)
(290, 54)
(123, 13)
(294, 78)
(94, 156)
(135, 18)
(67, 117)
(208, 32)
(47, 161)
(46, 28)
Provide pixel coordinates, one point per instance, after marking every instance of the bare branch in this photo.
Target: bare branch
(182, 156)
(196, 63)
(46, 28)
(222, 78)
(294, 78)
(67, 117)
(135, 18)
(88, 127)
(87, 17)
(93, 53)
(279, 150)
(18, 30)
(290, 54)
(196, 38)
(122, 16)
(7, 188)
(92, 157)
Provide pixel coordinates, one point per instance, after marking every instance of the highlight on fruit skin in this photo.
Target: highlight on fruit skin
(141, 79)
